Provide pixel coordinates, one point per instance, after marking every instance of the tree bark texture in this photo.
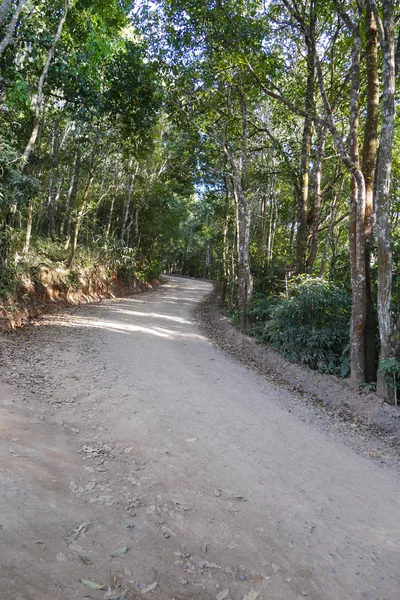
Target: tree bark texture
(368, 169)
(382, 188)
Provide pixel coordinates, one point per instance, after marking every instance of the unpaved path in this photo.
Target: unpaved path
(124, 414)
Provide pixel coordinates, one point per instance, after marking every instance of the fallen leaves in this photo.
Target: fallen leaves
(80, 530)
(92, 584)
(150, 588)
(119, 552)
(252, 595)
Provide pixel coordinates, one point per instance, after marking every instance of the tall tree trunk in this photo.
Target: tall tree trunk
(368, 169)
(28, 232)
(8, 38)
(382, 188)
(329, 234)
(357, 205)
(52, 184)
(225, 228)
(136, 224)
(43, 76)
(357, 228)
(317, 178)
(272, 231)
(109, 221)
(71, 197)
(302, 212)
(263, 241)
(4, 10)
(79, 218)
(126, 206)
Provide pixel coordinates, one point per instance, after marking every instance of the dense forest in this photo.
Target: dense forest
(251, 142)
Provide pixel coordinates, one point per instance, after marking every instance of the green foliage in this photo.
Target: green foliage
(311, 325)
(390, 368)
(8, 282)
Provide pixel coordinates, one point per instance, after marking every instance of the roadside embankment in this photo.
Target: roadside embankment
(43, 289)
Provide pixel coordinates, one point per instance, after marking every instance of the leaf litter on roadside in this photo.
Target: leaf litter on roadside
(92, 584)
(119, 552)
(150, 588)
(80, 530)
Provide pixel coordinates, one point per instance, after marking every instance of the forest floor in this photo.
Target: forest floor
(138, 456)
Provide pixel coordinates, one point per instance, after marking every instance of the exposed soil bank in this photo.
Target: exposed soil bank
(46, 290)
(368, 408)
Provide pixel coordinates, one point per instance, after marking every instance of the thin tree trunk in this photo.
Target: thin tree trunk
(39, 95)
(368, 169)
(357, 231)
(317, 177)
(4, 10)
(383, 178)
(52, 185)
(273, 229)
(110, 216)
(28, 232)
(79, 218)
(263, 242)
(331, 226)
(225, 228)
(8, 38)
(71, 197)
(302, 212)
(126, 206)
(68, 197)
(136, 225)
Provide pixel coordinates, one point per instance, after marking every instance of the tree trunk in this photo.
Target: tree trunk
(126, 207)
(28, 232)
(317, 177)
(79, 218)
(368, 169)
(110, 216)
(329, 234)
(302, 212)
(43, 76)
(272, 231)
(357, 206)
(52, 185)
(70, 199)
(382, 188)
(225, 227)
(357, 228)
(4, 9)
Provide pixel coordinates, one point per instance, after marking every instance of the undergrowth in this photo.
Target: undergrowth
(310, 324)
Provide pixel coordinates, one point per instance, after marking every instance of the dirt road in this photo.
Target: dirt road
(123, 430)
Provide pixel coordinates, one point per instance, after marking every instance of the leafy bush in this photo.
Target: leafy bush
(311, 325)
(8, 281)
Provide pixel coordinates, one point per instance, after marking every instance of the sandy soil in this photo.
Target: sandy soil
(124, 431)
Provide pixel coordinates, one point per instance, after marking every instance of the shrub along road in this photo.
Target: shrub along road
(138, 457)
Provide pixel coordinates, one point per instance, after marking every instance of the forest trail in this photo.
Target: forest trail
(122, 426)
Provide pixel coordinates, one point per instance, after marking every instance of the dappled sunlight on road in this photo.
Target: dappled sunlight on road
(152, 315)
